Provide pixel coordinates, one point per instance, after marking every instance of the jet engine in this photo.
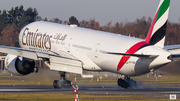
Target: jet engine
(19, 65)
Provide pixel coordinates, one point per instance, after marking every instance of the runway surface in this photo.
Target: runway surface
(110, 89)
(85, 89)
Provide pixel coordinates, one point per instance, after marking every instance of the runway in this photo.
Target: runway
(94, 89)
(86, 89)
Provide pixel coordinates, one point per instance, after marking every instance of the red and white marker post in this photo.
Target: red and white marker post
(76, 99)
(75, 87)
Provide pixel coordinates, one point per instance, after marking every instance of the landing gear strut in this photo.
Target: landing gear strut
(63, 82)
(126, 82)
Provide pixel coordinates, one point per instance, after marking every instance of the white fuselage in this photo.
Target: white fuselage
(89, 46)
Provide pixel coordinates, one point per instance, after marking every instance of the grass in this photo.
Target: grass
(104, 100)
(60, 96)
(70, 97)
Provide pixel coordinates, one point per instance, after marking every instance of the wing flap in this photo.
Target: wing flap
(65, 64)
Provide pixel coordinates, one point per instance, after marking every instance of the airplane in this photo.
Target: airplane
(72, 49)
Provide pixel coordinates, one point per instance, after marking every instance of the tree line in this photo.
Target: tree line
(12, 21)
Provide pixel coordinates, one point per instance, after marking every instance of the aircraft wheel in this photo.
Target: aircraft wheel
(68, 83)
(126, 85)
(119, 82)
(55, 84)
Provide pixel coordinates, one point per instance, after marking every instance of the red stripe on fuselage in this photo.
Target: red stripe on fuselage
(132, 50)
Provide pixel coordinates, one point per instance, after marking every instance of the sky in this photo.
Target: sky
(103, 11)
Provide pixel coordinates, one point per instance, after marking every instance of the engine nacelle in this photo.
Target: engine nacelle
(19, 65)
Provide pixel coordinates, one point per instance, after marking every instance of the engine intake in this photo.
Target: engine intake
(24, 66)
(19, 65)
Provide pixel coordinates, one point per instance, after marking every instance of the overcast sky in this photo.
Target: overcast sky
(103, 11)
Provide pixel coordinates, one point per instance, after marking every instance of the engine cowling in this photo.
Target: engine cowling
(19, 65)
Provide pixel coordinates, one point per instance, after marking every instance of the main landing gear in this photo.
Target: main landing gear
(63, 82)
(126, 82)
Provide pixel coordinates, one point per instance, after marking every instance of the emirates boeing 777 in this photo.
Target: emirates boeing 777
(68, 48)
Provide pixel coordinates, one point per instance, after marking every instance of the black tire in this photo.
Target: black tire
(123, 83)
(126, 85)
(119, 82)
(55, 84)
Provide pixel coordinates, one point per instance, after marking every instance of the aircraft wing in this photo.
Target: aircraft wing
(135, 55)
(174, 50)
(62, 62)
